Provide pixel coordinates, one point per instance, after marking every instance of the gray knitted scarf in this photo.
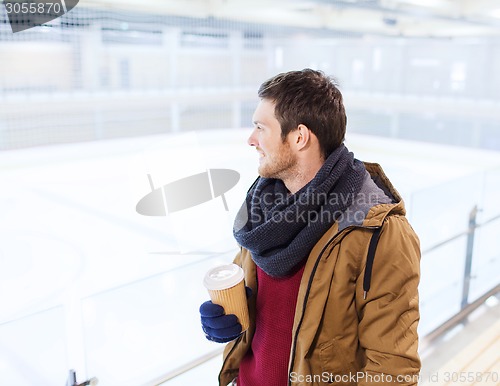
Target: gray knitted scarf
(280, 229)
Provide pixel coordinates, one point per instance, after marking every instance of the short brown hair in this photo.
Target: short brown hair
(311, 98)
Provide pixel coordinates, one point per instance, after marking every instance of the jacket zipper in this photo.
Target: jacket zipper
(309, 285)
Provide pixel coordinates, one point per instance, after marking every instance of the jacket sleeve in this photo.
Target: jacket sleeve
(389, 315)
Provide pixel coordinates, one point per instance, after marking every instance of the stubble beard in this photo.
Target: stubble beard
(280, 166)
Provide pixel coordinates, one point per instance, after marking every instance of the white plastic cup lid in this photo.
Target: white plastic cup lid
(223, 276)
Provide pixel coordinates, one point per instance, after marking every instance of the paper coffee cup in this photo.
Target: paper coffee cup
(226, 287)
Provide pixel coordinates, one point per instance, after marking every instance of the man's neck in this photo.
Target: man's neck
(303, 175)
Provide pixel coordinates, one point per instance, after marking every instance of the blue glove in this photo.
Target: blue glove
(217, 326)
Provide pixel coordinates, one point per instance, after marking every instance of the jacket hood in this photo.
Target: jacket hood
(375, 200)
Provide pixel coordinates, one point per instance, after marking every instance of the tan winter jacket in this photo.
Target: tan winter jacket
(340, 337)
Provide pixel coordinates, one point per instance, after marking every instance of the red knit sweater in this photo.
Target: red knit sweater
(266, 362)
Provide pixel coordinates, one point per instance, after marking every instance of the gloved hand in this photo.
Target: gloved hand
(217, 326)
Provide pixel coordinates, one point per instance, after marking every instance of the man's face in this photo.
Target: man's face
(277, 159)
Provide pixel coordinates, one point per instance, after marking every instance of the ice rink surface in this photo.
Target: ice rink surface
(87, 283)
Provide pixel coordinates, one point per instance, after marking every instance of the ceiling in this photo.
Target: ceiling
(407, 18)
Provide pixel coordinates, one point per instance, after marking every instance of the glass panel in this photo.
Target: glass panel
(486, 260)
(145, 329)
(33, 350)
(441, 284)
(435, 222)
(486, 257)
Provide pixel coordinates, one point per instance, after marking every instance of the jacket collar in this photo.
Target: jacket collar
(378, 213)
(376, 199)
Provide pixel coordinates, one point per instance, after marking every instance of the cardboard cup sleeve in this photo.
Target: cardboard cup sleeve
(226, 287)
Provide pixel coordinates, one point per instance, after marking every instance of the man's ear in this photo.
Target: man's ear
(303, 136)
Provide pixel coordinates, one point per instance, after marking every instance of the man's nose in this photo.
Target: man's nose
(252, 141)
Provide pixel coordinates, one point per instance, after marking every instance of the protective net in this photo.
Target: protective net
(105, 72)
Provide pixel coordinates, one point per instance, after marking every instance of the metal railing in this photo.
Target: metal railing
(466, 307)
(469, 250)
(458, 318)
(185, 368)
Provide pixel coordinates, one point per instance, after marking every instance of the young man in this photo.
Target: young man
(331, 261)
